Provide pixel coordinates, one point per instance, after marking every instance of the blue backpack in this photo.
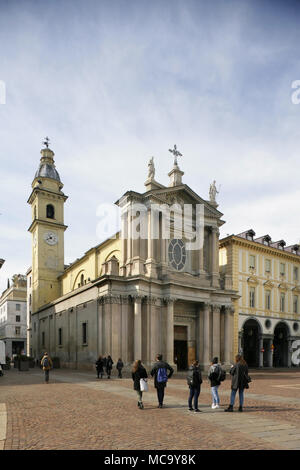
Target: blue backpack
(162, 376)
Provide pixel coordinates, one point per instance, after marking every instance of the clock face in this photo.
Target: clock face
(51, 238)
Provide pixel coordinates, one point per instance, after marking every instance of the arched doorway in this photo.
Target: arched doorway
(250, 342)
(281, 345)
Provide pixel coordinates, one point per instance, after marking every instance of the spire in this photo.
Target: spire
(175, 174)
(47, 167)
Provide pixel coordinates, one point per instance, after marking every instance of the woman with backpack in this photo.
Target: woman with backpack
(138, 373)
(239, 381)
(109, 364)
(46, 364)
(214, 378)
(194, 381)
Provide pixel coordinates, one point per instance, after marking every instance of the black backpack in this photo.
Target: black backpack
(46, 362)
(222, 375)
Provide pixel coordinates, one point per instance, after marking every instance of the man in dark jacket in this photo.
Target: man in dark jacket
(194, 381)
(161, 377)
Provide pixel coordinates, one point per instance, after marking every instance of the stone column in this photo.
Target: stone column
(150, 263)
(206, 334)
(129, 243)
(137, 328)
(216, 330)
(228, 335)
(261, 354)
(170, 331)
(270, 353)
(124, 236)
(215, 254)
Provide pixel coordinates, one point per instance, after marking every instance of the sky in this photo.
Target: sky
(115, 82)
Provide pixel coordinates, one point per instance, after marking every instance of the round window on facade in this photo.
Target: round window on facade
(177, 254)
(268, 324)
(296, 326)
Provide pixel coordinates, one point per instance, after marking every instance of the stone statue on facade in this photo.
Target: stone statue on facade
(151, 169)
(213, 192)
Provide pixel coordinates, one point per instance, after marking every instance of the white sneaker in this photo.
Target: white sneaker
(213, 406)
(217, 406)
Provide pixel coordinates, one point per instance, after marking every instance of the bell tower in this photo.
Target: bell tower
(47, 229)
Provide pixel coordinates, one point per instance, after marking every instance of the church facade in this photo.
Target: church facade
(154, 287)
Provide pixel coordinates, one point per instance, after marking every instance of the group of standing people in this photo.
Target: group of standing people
(107, 364)
(239, 382)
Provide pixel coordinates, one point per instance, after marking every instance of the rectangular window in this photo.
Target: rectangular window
(43, 339)
(296, 273)
(18, 330)
(282, 269)
(295, 304)
(84, 333)
(18, 307)
(252, 297)
(268, 266)
(18, 318)
(268, 300)
(60, 336)
(252, 261)
(282, 302)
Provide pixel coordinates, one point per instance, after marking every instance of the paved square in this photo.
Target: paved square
(78, 411)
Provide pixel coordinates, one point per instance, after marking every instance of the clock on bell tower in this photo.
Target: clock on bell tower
(47, 229)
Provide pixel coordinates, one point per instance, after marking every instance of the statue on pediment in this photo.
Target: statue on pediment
(213, 192)
(151, 169)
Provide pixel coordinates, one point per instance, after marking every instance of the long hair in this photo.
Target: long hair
(136, 365)
(240, 359)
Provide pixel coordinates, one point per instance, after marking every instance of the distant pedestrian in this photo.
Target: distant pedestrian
(239, 381)
(99, 367)
(46, 364)
(138, 373)
(214, 375)
(119, 367)
(194, 380)
(161, 377)
(109, 364)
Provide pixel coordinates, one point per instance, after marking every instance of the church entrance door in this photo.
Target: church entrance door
(180, 347)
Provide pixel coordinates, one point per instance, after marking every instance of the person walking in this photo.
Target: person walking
(214, 378)
(194, 380)
(239, 381)
(159, 371)
(119, 367)
(99, 367)
(138, 372)
(46, 364)
(109, 364)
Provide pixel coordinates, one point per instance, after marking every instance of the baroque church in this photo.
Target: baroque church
(130, 296)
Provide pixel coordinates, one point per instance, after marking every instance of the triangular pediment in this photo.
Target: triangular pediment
(253, 280)
(269, 284)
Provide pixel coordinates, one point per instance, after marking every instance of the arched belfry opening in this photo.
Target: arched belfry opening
(50, 211)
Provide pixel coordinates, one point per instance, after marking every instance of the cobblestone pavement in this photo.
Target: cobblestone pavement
(78, 411)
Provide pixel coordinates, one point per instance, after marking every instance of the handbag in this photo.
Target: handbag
(143, 385)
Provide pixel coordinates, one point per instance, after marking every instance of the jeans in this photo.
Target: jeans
(241, 396)
(47, 375)
(194, 393)
(140, 395)
(160, 393)
(215, 395)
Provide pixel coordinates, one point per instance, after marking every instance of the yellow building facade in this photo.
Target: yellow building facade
(266, 275)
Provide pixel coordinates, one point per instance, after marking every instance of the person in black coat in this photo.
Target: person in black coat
(109, 364)
(239, 381)
(159, 371)
(194, 380)
(119, 367)
(99, 367)
(138, 373)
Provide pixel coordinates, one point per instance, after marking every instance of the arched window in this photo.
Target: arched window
(82, 280)
(50, 211)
